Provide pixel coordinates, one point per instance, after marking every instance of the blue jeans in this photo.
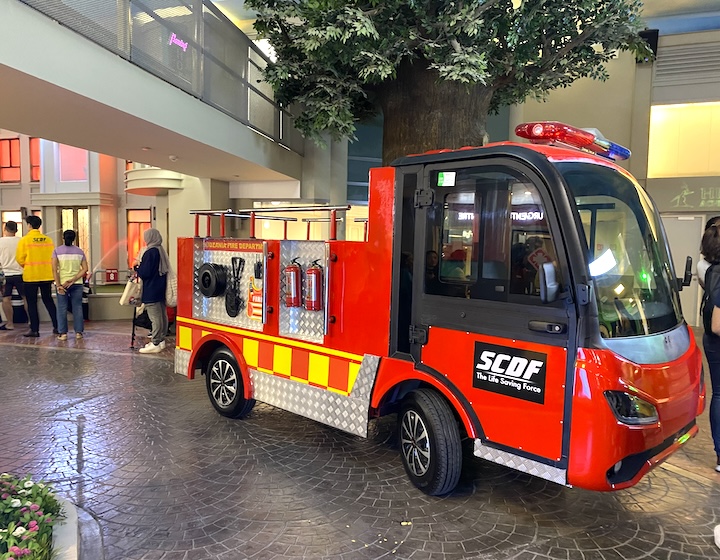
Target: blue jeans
(711, 345)
(74, 294)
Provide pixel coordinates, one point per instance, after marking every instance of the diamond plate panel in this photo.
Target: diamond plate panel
(182, 361)
(553, 474)
(213, 309)
(298, 322)
(349, 414)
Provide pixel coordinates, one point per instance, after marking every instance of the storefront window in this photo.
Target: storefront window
(73, 163)
(15, 217)
(10, 160)
(78, 220)
(137, 222)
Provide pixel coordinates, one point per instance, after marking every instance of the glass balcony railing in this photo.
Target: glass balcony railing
(189, 44)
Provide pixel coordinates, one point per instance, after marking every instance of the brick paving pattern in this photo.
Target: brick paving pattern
(142, 450)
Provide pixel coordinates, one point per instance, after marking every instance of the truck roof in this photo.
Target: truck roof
(523, 151)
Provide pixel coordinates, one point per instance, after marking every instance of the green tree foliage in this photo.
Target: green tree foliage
(435, 68)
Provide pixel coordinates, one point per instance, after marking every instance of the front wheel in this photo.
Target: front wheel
(429, 442)
(224, 383)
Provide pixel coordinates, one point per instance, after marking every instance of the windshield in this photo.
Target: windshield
(627, 255)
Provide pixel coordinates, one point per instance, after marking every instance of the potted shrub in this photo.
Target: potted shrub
(28, 510)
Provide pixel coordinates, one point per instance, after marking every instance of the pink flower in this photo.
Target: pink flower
(33, 523)
(33, 528)
(34, 507)
(15, 549)
(5, 496)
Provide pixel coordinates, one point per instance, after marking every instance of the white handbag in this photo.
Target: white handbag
(132, 294)
(171, 289)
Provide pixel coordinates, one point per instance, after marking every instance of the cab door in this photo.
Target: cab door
(483, 230)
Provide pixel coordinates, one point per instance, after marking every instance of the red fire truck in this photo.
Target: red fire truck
(519, 295)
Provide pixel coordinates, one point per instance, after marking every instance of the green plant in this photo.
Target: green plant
(434, 68)
(28, 510)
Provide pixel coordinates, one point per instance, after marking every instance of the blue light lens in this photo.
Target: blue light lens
(616, 152)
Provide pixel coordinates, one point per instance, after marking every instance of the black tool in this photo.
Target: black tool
(233, 300)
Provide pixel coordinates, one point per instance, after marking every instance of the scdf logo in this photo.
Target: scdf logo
(514, 366)
(510, 371)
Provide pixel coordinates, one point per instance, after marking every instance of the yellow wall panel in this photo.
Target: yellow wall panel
(319, 369)
(250, 351)
(282, 359)
(184, 337)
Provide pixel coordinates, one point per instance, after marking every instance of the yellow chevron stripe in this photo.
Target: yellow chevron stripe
(274, 339)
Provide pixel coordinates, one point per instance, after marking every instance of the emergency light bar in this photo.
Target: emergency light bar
(585, 139)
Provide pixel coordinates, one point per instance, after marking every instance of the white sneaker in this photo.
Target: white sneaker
(152, 349)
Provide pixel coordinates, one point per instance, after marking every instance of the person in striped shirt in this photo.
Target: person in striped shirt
(69, 266)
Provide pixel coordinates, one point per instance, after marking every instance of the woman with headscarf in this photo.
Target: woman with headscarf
(153, 271)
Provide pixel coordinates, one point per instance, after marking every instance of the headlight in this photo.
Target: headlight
(631, 409)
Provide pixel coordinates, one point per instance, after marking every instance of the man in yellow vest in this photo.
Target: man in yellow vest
(34, 254)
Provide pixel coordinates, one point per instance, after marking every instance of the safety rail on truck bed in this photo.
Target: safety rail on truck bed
(364, 222)
(258, 214)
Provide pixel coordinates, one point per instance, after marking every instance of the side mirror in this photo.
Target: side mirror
(549, 286)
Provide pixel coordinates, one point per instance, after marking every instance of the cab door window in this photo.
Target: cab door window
(488, 235)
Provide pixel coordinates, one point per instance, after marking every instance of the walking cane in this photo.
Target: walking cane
(132, 339)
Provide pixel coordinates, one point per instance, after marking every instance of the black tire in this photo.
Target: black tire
(211, 280)
(224, 383)
(429, 440)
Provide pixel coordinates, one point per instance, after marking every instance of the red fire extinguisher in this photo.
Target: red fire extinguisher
(313, 287)
(293, 287)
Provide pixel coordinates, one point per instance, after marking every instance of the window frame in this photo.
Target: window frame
(35, 160)
(10, 149)
(482, 288)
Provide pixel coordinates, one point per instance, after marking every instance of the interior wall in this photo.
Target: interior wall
(194, 195)
(108, 238)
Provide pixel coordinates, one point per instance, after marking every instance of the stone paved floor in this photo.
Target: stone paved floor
(141, 449)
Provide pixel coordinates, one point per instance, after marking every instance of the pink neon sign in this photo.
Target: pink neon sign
(175, 40)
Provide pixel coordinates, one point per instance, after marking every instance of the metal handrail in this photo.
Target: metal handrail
(84, 18)
(257, 214)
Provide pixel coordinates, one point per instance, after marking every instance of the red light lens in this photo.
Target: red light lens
(552, 131)
(555, 131)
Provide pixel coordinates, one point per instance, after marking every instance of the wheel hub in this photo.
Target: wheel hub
(223, 383)
(415, 443)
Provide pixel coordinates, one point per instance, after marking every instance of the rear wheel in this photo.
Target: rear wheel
(430, 442)
(224, 383)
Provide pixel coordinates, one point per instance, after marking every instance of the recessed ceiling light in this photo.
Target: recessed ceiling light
(146, 148)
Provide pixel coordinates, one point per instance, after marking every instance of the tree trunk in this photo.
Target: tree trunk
(423, 113)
